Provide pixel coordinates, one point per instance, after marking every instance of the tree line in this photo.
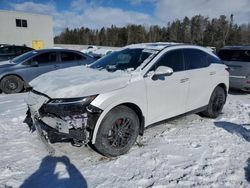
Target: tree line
(200, 30)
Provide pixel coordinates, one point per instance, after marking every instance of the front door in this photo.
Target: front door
(41, 64)
(167, 95)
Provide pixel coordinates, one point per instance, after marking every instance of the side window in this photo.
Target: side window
(19, 50)
(213, 60)
(7, 50)
(45, 58)
(67, 56)
(172, 59)
(195, 59)
(79, 57)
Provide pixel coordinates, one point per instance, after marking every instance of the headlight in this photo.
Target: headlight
(82, 100)
(67, 107)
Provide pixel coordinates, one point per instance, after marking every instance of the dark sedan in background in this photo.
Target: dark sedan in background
(16, 74)
(8, 52)
(237, 58)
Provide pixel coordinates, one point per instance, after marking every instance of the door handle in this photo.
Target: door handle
(184, 80)
(212, 73)
(56, 66)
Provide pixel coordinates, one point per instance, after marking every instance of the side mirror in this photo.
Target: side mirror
(34, 64)
(163, 71)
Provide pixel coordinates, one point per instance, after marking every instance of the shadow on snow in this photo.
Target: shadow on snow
(46, 175)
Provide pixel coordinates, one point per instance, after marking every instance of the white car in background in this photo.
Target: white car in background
(97, 52)
(109, 103)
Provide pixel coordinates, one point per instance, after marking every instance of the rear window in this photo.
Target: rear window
(235, 55)
(71, 56)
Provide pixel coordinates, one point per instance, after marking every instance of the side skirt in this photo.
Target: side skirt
(198, 110)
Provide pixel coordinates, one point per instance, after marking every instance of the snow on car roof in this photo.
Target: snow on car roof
(153, 46)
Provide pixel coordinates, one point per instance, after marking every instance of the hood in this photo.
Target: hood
(79, 82)
(4, 64)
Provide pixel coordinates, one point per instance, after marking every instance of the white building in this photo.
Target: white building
(19, 28)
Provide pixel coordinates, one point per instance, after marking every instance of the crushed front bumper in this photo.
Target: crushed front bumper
(53, 128)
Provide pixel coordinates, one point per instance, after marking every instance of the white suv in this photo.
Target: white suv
(109, 103)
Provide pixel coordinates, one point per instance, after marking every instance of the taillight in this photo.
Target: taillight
(248, 81)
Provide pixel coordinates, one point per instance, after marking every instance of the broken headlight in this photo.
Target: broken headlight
(67, 107)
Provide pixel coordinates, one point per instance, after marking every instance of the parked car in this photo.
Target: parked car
(109, 103)
(2, 45)
(237, 58)
(8, 52)
(97, 52)
(16, 74)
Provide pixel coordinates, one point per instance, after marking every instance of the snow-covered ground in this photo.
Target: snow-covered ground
(185, 152)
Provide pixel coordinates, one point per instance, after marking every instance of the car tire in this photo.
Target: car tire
(216, 103)
(11, 84)
(118, 132)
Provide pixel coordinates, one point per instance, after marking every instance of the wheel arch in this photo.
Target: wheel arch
(130, 105)
(224, 87)
(139, 113)
(11, 75)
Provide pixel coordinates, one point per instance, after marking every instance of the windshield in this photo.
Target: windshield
(23, 57)
(123, 60)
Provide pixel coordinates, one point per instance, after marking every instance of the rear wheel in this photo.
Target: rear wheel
(11, 84)
(216, 103)
(118, 132)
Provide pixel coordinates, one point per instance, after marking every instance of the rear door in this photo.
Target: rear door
(237, 60)
(201, 78)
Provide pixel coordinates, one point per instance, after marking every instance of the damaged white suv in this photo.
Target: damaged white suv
(109, 103)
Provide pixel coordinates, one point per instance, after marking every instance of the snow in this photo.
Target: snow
(97, 51)
(80, 81)
(185, 152)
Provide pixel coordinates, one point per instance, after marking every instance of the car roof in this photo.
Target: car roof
(163, 45)
(239, 47)
(153, 46)
(57, 50)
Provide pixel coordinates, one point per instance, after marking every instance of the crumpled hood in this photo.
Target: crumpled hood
(4, 64)
(79, 82)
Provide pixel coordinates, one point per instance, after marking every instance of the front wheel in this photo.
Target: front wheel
(118, 132)
(11, 84)
(216, 103)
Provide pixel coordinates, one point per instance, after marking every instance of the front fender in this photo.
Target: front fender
(105, 112)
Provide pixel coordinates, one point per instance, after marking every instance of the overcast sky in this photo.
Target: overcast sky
(104, 13)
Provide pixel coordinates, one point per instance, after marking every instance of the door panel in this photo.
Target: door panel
(201, 85)
(201, 78)
(167, 95)
(46, 62)
(68, 59)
